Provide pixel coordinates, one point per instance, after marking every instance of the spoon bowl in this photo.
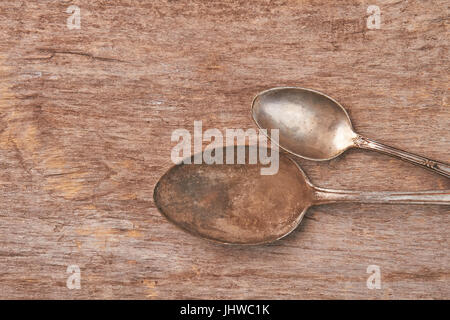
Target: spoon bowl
(311, 125)
(234, 203)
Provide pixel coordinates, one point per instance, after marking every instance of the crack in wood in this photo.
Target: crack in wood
(54, 52)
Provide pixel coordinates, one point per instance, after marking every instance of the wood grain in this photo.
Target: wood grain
(86, 118)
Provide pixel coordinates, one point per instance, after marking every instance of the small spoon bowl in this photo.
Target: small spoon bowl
(312, 125)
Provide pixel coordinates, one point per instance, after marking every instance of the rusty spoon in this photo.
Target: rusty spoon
(314, 126)
(235, 204)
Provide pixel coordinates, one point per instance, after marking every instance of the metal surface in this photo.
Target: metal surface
(314, 126)
(235, 204)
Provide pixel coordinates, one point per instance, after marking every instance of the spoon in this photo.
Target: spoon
(314, 126)
(235, 204)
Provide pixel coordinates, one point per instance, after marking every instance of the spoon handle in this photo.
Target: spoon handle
(441, 197)
(436, 166)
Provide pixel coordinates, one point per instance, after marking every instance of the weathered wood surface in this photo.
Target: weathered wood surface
(86, 118)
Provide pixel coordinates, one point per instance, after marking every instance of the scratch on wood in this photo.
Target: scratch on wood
(53, 52)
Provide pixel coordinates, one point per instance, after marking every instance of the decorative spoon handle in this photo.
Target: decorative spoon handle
(436, 166)
(441, 197)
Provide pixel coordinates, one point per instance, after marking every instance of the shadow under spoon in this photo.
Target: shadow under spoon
(314, 126)
(235, 204)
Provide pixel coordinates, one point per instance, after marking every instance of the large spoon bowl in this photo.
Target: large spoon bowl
(314, 126)
(235, 204)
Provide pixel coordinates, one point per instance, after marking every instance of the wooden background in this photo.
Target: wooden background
(86, 118)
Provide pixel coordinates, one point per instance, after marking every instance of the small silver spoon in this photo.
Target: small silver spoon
(314, 126)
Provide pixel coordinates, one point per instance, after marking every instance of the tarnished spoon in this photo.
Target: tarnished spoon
(235, 204)
(316, 127)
